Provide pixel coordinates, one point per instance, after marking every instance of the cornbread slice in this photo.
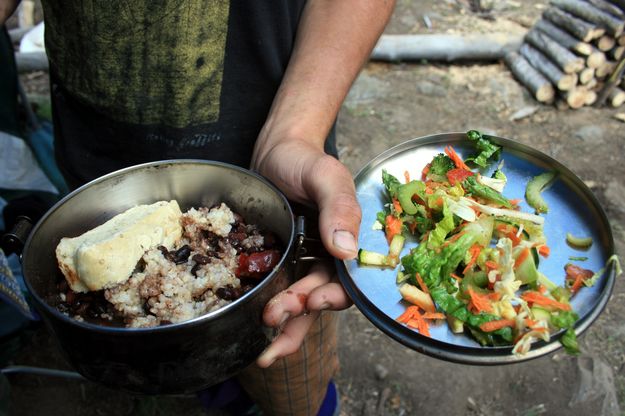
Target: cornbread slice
(107, 255)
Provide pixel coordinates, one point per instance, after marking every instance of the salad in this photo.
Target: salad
(476, 264)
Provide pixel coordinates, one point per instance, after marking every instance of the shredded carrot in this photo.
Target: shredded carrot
(420, 325)
(510, 232)
(422, 284)
(498, 324)
(491, 265)
(523, 255)
(407, 176)
(455, 276)
(449, 151)
(494, 296)
(393, 227)
(544, 250)
(539, 299)
(542, 289)
(530, 322)
(475, 251)
(397, 206)
(515, 201)
(479, 303)
(425, 171)
(408, 314)
(434, 315)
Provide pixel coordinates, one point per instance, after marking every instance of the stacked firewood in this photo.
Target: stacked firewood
(575, 53)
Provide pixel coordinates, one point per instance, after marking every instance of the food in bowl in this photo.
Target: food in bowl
(154, 265)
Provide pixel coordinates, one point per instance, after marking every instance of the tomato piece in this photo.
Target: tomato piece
(458, 175)
(258, 264)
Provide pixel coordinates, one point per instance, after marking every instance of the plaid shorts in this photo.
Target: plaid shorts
(297, 384)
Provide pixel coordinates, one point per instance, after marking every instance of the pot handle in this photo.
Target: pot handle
(308, 249)
(14, 240)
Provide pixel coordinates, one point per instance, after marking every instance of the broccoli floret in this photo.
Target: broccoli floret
(441, 164)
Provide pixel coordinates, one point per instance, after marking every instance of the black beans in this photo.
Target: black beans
(182, 254)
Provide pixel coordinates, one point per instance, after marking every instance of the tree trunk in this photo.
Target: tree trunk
(608, 7)
(534, 81)
(563, 37)
(577, 27)
(562, 81)
(586, 75)
(605, 43)
(595, 59)
(575, 98)
(605, 69)
(590, 13)
(617, 52)
(445, 47)
(616, 98)
(565, 59)
(31, 61)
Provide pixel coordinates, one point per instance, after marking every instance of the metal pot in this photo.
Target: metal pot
(174, 358)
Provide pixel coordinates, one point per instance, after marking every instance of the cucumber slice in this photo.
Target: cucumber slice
(372, 258)
(533, 189)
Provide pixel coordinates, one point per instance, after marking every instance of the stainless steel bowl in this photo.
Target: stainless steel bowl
(174, 358)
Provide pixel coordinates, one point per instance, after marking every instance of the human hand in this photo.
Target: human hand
(307, 175)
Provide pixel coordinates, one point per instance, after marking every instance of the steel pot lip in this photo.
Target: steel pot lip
(213, 315)
(449, 350)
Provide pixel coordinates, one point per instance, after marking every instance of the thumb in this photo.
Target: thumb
(332, 188)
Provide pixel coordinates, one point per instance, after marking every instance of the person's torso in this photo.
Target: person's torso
(144, 80)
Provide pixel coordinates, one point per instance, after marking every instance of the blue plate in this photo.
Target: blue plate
(572, 208)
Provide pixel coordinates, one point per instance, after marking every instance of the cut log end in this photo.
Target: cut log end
(616, 98)
(586, 75)
(575, 98)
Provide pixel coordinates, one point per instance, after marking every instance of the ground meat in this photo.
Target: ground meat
(195, 277)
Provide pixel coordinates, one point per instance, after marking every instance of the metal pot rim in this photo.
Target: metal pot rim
(174, 326)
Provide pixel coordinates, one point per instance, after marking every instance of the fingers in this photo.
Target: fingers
(332, 187)
(289, 341)
(296, 308)
(294, 300)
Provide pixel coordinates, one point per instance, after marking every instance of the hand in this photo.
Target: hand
(306, 174)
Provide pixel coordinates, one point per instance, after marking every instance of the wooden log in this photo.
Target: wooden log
(586, 75)
(612, 81)
(448, 48)
(563, 37)
(605, 43)
(595, 59)
(621, 40)
(604, 70)
(619, 3)
(575, 98)
(616, 97)
(539, 61)
(534, 81)
(593, 84)
(577, 27)
(586, 11)
(31, 61)
(565, 59)
(591, 97)
(608, 7)
(616, 53)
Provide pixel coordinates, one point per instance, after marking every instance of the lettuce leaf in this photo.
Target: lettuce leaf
(486, 148)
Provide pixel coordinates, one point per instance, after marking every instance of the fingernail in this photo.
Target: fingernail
(284, 318)
(345, 241)
(266, 357)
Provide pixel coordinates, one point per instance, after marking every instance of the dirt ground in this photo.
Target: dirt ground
(390, 103)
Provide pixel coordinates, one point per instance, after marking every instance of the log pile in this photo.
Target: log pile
(574, 55)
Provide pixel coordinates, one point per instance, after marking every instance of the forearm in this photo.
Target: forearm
(7, 7)
(333, 42)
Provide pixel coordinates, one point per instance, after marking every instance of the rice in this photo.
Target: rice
(198, 275)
